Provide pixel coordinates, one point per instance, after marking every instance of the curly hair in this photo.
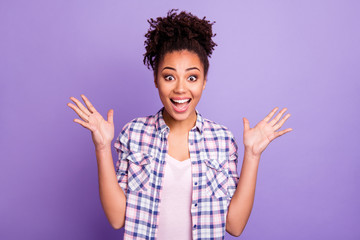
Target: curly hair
(182, 31)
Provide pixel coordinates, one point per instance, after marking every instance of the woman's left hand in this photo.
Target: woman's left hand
(258, 138)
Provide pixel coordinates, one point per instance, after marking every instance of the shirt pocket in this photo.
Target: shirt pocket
(216, 179)
(139, 171)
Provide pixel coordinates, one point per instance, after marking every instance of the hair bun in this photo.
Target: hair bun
(175, 28)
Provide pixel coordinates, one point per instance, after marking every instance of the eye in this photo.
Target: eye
(169, 77)
(192, 78)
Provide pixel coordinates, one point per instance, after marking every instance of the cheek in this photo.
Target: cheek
(198, 91)
(163, 92)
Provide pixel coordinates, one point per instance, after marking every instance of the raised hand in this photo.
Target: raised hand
(102, 131)
(256, 139)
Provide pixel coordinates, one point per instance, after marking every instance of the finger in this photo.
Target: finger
(277, 117)
(81, 106)
(246, 124)
(111, 116)
(278, 134)
(282, 121)
(269, 116)
(81, 114)
(82, 123)
(88, 104)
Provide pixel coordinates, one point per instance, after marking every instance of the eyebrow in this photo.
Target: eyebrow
(188, 69)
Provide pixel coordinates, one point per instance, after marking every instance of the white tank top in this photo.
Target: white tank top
(175, 201)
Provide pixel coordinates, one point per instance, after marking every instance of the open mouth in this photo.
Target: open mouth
(180, 105)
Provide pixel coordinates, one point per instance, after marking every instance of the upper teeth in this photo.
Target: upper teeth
(181, 101)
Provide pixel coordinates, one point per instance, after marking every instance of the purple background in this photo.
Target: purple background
(303, 55)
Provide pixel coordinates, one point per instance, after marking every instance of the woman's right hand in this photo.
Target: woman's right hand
(102, 131)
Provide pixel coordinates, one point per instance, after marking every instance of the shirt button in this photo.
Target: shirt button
(195, 226)
(195, 204)
(195, 183)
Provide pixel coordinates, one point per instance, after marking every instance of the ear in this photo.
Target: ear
(204, 84)
(155, 82)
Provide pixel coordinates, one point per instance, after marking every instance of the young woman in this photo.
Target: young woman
(176, 173)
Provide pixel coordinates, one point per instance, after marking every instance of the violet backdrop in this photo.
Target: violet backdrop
(303, 55)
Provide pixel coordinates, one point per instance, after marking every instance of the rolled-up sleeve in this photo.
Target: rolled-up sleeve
(121, 166)
(233, 162)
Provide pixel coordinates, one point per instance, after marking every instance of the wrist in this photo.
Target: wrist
(104, 148)
(250, 154)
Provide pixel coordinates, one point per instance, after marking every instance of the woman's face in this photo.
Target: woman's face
(180, 80)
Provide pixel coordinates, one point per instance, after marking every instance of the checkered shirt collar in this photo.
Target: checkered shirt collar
(161, 125)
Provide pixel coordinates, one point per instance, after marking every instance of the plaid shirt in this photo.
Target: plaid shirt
(142, 146)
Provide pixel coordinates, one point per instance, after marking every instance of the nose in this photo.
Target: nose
(180, 86)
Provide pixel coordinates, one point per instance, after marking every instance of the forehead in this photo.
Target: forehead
(181, 60)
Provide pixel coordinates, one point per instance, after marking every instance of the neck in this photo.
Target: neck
(183, 126)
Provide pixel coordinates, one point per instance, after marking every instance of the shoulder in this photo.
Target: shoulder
(136, 127)
(215, 129)
(139, 125)
(218, 139)
(135, 132)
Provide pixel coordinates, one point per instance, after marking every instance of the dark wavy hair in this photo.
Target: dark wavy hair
(182, 31)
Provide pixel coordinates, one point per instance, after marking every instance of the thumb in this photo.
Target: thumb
(110, 116)
(246, 124)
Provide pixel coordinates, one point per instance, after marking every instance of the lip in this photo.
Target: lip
(180, 98)
(183, 109)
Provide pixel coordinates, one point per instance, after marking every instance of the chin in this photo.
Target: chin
(179, 116)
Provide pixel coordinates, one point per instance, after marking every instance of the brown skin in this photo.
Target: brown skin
(113, 199)
(179, 81)
(255, 139)
(180, 74)
(255, 142)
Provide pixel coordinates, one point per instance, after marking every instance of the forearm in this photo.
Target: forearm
(112, 197)
(242, 201)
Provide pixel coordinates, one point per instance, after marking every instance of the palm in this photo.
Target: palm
(102, 131)
(258, 138)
